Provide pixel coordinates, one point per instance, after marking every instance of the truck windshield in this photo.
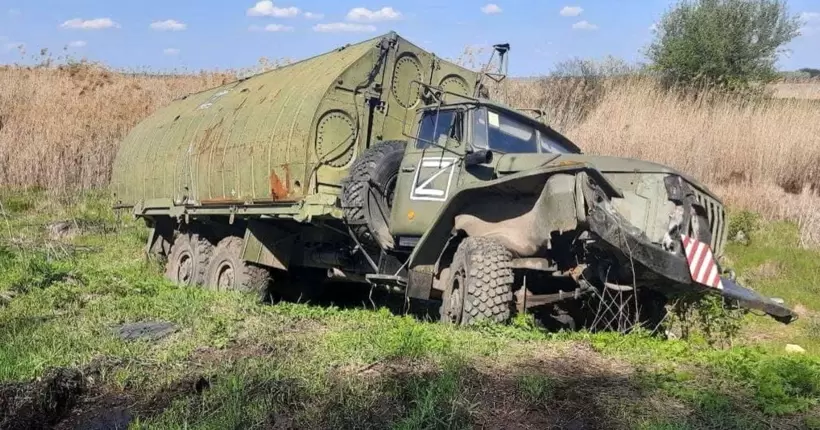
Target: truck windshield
(438, 123)
(501, 133)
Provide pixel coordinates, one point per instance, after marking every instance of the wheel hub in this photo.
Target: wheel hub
(185, 269)
(455, 303)
(225, 279)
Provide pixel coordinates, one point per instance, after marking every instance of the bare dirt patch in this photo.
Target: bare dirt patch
(571, 387)
(69, 398)
(41, 403)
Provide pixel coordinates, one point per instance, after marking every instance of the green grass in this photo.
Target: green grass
(323, 367)
(774, 265)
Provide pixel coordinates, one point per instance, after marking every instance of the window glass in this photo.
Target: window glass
(435, 124)
(508, 135)
(549, 144)
(479, 140)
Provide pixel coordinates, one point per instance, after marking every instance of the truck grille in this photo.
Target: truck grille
(717, 220)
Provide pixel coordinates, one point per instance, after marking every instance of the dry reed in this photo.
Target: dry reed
(761, 154)
(59, 126)
(808, 89)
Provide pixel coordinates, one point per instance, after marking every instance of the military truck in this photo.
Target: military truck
(380, 163)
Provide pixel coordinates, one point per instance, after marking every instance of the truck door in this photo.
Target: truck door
(428, 175)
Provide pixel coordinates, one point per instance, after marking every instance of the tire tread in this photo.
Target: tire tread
(489, 281)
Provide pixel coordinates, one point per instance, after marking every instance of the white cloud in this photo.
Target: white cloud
(170, 51)
(584, 25)
(571, 11)
(311, 15)
(168, 25)
(15, 12)
(90, 24)
(491, 9)
(267, 8)
(78, 44)
(271, 28)
(810, 16)
(337, 27)
(362, 14)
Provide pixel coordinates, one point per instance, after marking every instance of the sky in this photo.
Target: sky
(163, 35)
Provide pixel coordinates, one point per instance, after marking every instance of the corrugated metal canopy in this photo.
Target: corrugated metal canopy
(224, 143)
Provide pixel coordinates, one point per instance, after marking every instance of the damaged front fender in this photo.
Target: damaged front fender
(522, 210)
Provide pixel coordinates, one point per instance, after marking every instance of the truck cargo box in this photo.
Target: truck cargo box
(281, 135)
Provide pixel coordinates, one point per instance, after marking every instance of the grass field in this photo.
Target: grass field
(230, 362)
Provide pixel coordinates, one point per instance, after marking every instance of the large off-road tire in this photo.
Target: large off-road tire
(188, 259)
(367, 193)
(480, 286)
(227, 270)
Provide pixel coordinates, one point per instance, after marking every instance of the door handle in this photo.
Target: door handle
(408, 169)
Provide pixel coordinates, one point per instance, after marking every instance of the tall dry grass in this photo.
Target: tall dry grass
(59, 126)
(808, 89)
(761, 154)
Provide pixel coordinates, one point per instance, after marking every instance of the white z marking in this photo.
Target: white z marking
(424, 191)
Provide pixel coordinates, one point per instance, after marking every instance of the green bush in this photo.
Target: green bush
(744, 221)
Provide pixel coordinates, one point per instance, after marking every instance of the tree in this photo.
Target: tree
(812, 72)
(730, 44)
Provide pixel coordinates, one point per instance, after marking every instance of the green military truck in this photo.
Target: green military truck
(381, 163)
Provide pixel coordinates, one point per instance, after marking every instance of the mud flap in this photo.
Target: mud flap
(749, 299)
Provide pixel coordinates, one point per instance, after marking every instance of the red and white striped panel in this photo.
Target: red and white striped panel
(702, 263)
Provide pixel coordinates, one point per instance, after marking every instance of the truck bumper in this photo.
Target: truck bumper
(656, 266)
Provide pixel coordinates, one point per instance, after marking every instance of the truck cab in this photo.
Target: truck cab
(482, 185)
(458, 144)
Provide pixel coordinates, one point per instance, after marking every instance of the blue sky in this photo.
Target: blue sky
(208, 34)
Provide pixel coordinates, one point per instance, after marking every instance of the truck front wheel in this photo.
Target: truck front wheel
(480, 286)
(227, 270)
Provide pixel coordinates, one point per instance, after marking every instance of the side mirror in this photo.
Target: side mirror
(482, 156)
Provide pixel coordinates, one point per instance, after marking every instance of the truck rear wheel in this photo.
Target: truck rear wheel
(188, 259)
(480, 285)
(367, 194)
(227, 270)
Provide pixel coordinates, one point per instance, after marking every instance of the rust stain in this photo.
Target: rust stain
(278, 189)
(577, 271)
(221, 201)
(211, 136)
(567, 163)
